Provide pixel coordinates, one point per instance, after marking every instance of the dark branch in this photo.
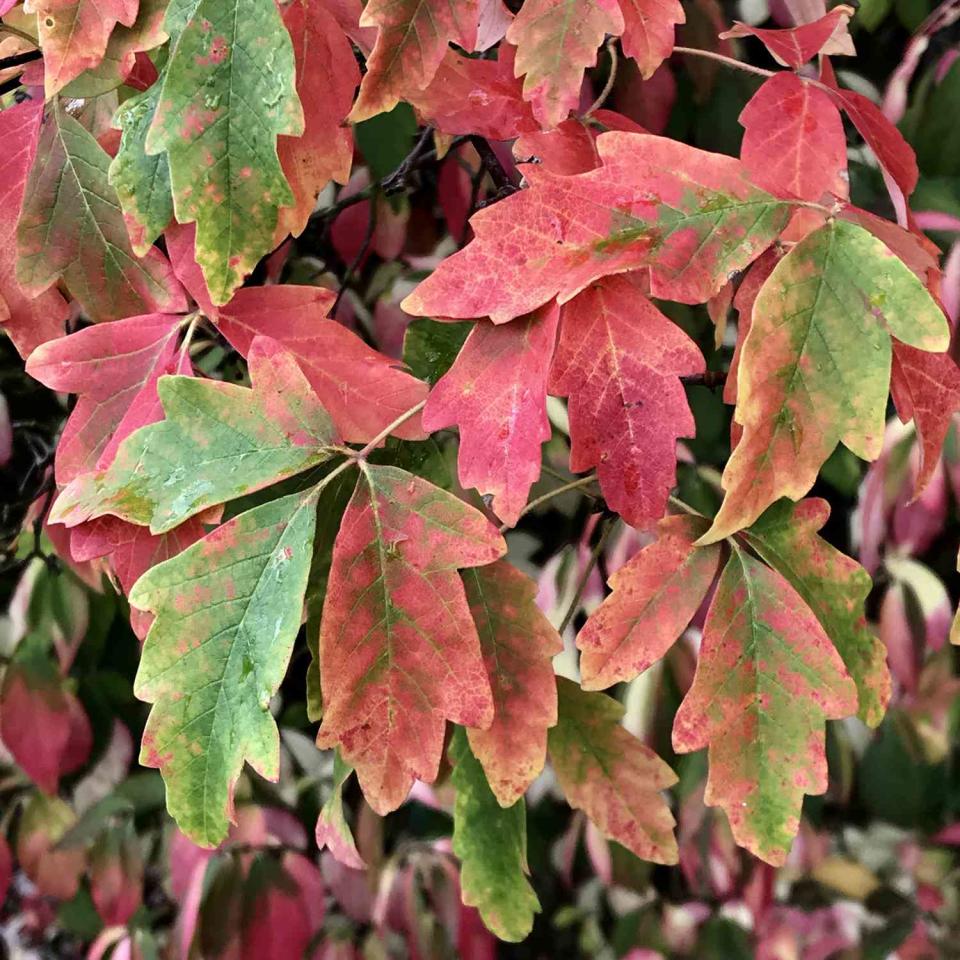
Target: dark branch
(19, 59)
(491, 163)
(712, 378)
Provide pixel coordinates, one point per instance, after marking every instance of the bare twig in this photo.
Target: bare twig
(491, 163)
(585, 575)
(566, 488)
(611, 79)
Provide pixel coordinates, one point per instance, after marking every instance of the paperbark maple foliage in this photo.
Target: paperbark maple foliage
(167, 157)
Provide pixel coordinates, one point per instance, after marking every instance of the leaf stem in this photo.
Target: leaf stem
(387, 430)
(572, 485)
(585, 576)
(684, 507)
(729, 61)
(35, 55)
(611, 79)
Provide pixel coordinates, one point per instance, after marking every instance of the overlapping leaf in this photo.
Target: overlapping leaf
(218, 442)
(496, 393)
(518, 644)
(655, 596)
(610, 775)
(227, 612)
(491, 843)
(767, 678)
(71, 226)
(794, 46)
(619, 361)
(556, 40)
(833, 586)
(399, 653)
(412, 39)
(228, 92)
(692, 217)
(793, 142)
(815, 367)
(332, 830)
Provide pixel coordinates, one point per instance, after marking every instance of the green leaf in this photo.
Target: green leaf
(71, 227)
(218, 442)
(491, 842)
(228, 92)
(429, 347)
(227, 613)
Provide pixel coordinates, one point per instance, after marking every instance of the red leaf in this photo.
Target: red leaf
(411, 42)
(180, 241)
(496, 393)
(399, 653)
(692, 217)
(362, 390)
(56, 872)
(655, 596)
(794, 46)
(42, 723)
(518, 643)
(6, 868)
(619, 360)
(28, 320)
(556, 41)
(793, 144)
(74, 36)
(327, 76)
(648, 33)
(926, 389)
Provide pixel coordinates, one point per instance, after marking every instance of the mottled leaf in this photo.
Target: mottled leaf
(648, 32)
(815, 367)
(332, 830)
(610, 775)
(556, 41)
(218, 442)
(619, 360)
(399, 653)
(518, 644)
(833, 586)
(412, 39)
(363, 390)
(72, 227)
(655, 596)
(793, 142)
(692, 217)
(491, 842)
(496, 394)
(227, 612)
(228, 93)
(767, 678)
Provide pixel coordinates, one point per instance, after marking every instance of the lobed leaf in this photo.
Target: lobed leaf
(767, 678)
(218, 442)
(491, 842)
(399, 653)
(227, 612)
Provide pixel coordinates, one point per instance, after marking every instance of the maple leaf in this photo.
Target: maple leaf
(399, 652)
(412, 40)
(28, 320)
(691, 216)
(619, 361)
(218, 442)
(610, 775)
(210, 668)
(815, 367)
(556, 40)
(518, 644)
(42, 723)
(926, 389)
(496, 393)
(363, 390)
(793, 142)
(132, 551)
(71, 227)
(327, 76)
(332, 830)
(227, 94)
(655, 596)
(648, 31)
(119, 58)
(794, 46)
(113, 368)
(767, 678)
(833, 586)
(491, 842)
(74, 36)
